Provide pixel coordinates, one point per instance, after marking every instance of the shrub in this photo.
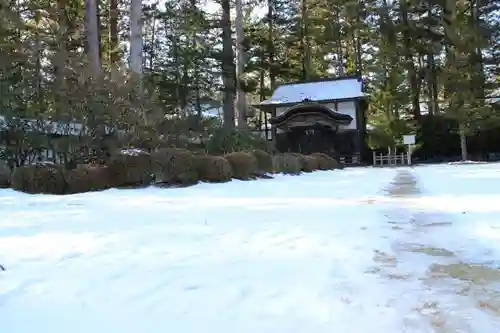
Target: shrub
(174, 166)
(264, 161)
(88, 177)
(326, 162)
(130, 167)
(302, 162)
(214, 169)
(5, 175)
(311, 163)
(307, 163)
(222, 141)
(338, 165)
(40, 178)
(244, 165)
(287, 163)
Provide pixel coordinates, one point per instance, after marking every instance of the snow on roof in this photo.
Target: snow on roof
(133, 152)
(494, 100)
(316, 91)
(50, 126)
(213, 112)
(494, 96)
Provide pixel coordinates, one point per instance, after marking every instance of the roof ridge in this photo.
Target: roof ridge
(325, 79)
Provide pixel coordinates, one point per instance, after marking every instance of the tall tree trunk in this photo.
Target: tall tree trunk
(227, 65)
(340, 47)
(39, 75)
(153, 41)
(113, 32)
(433, 104)
(391, 59)
(177, 60)
(306, 42)
(100, 27)
(60, 68)
(432, 75)
(197, 76)
(241, 101)
(449, 25)
(92, 31)
(262, 97)
(184, 89)
(357, 34)
(476, 58)
(453, 55)
(270, 44)
(61, 57)
(463, 142)
(136, 58)
(413, 76)
(136, 40)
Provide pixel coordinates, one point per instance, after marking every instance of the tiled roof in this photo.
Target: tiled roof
(316, 91)
(494, 96)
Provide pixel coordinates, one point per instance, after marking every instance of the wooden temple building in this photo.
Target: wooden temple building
(327, 116)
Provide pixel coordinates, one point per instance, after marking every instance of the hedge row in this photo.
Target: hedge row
(166, 167)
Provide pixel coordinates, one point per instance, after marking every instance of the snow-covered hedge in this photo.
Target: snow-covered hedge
(308, 163)
(173, 166)
(5, 175)
(287, 163)
(264, 161)
(243, 164)
(88, 177)
(169, 166)
(326, 162)
(130, 168)
(214, 169)
(40, 178)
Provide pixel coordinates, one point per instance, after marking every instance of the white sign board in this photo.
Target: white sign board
(409, 139)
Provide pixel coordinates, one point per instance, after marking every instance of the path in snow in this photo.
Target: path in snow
(440, 252)
(358, 250)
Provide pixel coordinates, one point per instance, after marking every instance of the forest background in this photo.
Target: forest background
(149, 74)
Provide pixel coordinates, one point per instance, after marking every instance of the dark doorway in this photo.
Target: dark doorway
(310, 128)
(308, 140)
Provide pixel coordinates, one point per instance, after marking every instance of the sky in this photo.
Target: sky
(212, 7)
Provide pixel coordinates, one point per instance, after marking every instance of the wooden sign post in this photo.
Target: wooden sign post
(409, 140)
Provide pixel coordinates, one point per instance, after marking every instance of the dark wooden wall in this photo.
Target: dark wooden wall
(318, 140)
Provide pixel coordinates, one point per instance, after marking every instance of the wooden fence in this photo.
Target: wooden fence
(390, 159)
(349, 160)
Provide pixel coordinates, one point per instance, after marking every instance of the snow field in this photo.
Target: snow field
(332, 251)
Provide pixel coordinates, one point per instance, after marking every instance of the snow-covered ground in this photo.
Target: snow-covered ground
(359, 250)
